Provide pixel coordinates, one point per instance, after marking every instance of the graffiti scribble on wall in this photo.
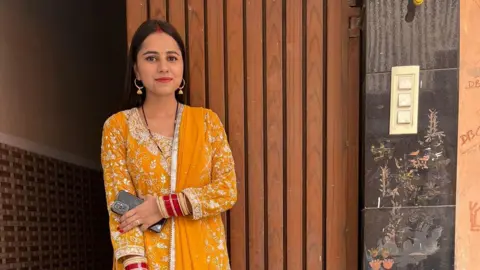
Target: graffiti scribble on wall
(413, 178)
(474, 217)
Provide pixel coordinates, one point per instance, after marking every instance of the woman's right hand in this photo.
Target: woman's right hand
(144, 215)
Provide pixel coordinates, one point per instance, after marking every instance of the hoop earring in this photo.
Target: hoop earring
(180, 92)
(139, 91)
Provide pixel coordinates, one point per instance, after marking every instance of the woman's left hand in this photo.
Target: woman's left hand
(144, 215)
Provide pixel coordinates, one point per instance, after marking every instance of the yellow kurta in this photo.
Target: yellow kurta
(204, 172)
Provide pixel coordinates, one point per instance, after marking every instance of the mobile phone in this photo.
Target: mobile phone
(126, 201)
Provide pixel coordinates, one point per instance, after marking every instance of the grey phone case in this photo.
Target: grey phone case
(126, 201)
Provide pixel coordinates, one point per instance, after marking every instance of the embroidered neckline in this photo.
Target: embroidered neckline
(139, 132)
(156, 135)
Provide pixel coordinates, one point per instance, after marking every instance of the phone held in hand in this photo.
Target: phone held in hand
(126, 201)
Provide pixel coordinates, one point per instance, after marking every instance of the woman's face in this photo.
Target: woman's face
(159, 64)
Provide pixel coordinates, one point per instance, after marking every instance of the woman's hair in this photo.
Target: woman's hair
(131, 98)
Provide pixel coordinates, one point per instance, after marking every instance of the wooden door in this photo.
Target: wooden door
(286, 87)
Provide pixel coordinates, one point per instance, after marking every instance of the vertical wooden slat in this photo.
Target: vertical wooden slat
(136, 15)
(158, 9)
(294, 139)
(274, 134)
(335, 139)
(216, 59)
(176, 16)
(236, 114)
(315, 82)
(196, 49)
(352, 106)
(255, 116)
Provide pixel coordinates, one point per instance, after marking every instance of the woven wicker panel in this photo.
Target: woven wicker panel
(52, 214)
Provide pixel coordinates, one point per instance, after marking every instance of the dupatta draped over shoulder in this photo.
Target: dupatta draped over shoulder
(199, 164)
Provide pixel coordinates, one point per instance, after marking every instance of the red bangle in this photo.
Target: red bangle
(168, 205)
(134, 266)
(176, 204)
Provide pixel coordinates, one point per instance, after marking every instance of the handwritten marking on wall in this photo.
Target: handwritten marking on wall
(473, 84)
(470, 139)
(470, 135)
(474, 218)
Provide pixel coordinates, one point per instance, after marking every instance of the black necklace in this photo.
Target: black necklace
(150, 132)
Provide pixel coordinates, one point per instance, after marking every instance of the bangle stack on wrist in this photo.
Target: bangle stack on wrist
(173, 205)
(135, 263)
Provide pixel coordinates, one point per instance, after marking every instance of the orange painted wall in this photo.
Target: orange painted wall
(467, 243)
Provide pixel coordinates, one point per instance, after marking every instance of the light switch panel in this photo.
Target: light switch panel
(405, 82)
(404, 117)
(404, 100)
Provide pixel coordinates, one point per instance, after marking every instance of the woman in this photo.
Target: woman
(173, 156)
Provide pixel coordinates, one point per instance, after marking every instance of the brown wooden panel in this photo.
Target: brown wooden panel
(236, 128)
(176, 16)
(274, 133)
(352, 106)
(136, 15)
(335, 140)
(314, 134)
(216, 59)
(196, 53)
(256, 136)
(158, 9)
(216, 63)
(294, 137)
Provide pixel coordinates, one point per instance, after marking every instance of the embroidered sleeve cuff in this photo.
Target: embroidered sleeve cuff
(192, 195)
(129, 250)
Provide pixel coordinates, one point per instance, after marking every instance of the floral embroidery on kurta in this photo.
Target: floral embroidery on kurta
(132, 162)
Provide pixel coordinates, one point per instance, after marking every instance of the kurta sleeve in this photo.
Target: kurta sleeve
(221, 194)
(116, 178)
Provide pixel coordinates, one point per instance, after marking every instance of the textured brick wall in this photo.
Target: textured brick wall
(52, 214)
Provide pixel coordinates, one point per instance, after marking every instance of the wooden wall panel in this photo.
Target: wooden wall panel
(264, 67)
(176, 16)
(236, 131)
(136, 14)
(352, 130)
(196, 53)
(275, 165)
(216, 58)
(256, 150)
(294, 158)
(335, 142)
(158, 9)
(314, 168)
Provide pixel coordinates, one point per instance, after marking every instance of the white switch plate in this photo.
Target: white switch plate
(404, 117)
(405, 82)
(404, 100)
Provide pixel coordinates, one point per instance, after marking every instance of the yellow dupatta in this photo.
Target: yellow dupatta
(189, 243)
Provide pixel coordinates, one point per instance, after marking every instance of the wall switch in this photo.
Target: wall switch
(404, 100)
(404, 117)
(405, 82)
